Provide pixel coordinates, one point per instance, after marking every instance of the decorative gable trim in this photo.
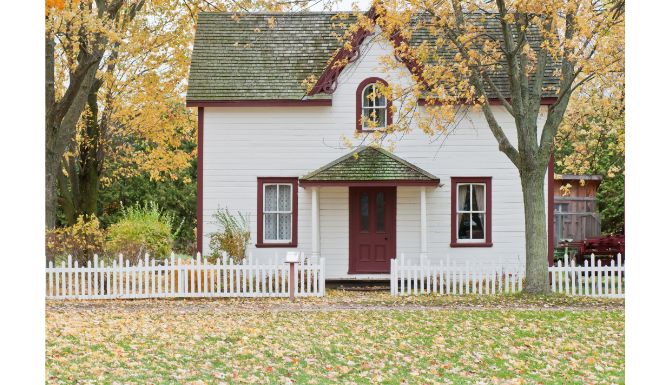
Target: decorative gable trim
(327, 82)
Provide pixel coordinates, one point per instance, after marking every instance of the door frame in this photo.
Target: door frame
(353, 219)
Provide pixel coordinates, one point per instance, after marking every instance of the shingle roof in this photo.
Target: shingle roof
(492, 29)
(370, 164)
(239, 57)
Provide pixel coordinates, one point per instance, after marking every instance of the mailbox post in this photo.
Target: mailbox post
(292, 257)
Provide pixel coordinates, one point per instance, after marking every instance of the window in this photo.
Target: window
(373, 110)
(470, 211)
(277, 214)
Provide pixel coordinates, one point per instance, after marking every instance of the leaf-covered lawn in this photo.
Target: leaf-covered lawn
(255, 342)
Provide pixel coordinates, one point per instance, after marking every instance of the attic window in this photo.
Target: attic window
(373, 110)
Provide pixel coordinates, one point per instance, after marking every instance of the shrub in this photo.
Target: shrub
(142, 229)
(81, 240)
(234, 238)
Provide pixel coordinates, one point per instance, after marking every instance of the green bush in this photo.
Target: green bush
(234, 238)
(142, 229)
(172, 195)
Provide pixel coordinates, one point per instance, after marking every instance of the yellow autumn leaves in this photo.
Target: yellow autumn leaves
(249, 342)
(148, 128)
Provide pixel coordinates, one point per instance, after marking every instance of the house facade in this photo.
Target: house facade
(277, 154)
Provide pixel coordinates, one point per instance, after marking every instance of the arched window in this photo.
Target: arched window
(373, 110)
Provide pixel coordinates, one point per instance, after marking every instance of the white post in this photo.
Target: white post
(424, 225)
(316, 241)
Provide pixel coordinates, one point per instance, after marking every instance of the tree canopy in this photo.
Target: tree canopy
(462, 51)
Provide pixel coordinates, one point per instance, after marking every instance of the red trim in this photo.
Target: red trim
(480, 244)
(259, 211)
(497, 102)
(413, 65)
(489, 193)
(354, 209)
(200, 181)
(327, 82)
(259, 103)
(371, 183)
(359, 103)
(550, 211)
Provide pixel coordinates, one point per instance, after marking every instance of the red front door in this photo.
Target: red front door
(372, 212)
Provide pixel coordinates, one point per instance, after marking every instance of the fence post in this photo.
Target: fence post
(393, 281)
(593, 270)
(292, 279)
(619, 270)
(322, 277)
(405, 276)
(172, 271)
(51, 273)
(180, 279)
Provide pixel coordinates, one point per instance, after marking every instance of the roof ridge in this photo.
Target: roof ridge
(379, 150)
(406, 163)
(333, 163)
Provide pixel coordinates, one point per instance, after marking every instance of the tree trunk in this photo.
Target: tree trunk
(51, 160)
(51, 165)
(62, 115)
(532, 185)
(66, 201)
(88, 153)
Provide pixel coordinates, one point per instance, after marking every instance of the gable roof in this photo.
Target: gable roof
(369, 164)
(238, 57)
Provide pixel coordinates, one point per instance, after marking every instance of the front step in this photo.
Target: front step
(358, 285)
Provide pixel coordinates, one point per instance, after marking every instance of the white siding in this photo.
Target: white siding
(241, 144)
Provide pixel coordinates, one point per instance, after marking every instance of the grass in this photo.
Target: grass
(344, 338)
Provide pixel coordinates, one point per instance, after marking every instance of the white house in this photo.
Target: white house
(274, 153)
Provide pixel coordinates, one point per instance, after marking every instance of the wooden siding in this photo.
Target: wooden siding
(243, 143)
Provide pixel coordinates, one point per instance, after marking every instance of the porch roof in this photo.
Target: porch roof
(369, 166)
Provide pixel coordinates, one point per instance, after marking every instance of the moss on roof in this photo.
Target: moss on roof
(238, 56)
(369, 164)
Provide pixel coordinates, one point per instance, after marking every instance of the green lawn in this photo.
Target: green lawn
(317, 342)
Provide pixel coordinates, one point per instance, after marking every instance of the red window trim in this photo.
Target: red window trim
(259, 211)
(471, 179)
(359, 103)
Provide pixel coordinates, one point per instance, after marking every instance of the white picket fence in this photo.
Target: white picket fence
(184, 278)
(422, 276)
(593, 279)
